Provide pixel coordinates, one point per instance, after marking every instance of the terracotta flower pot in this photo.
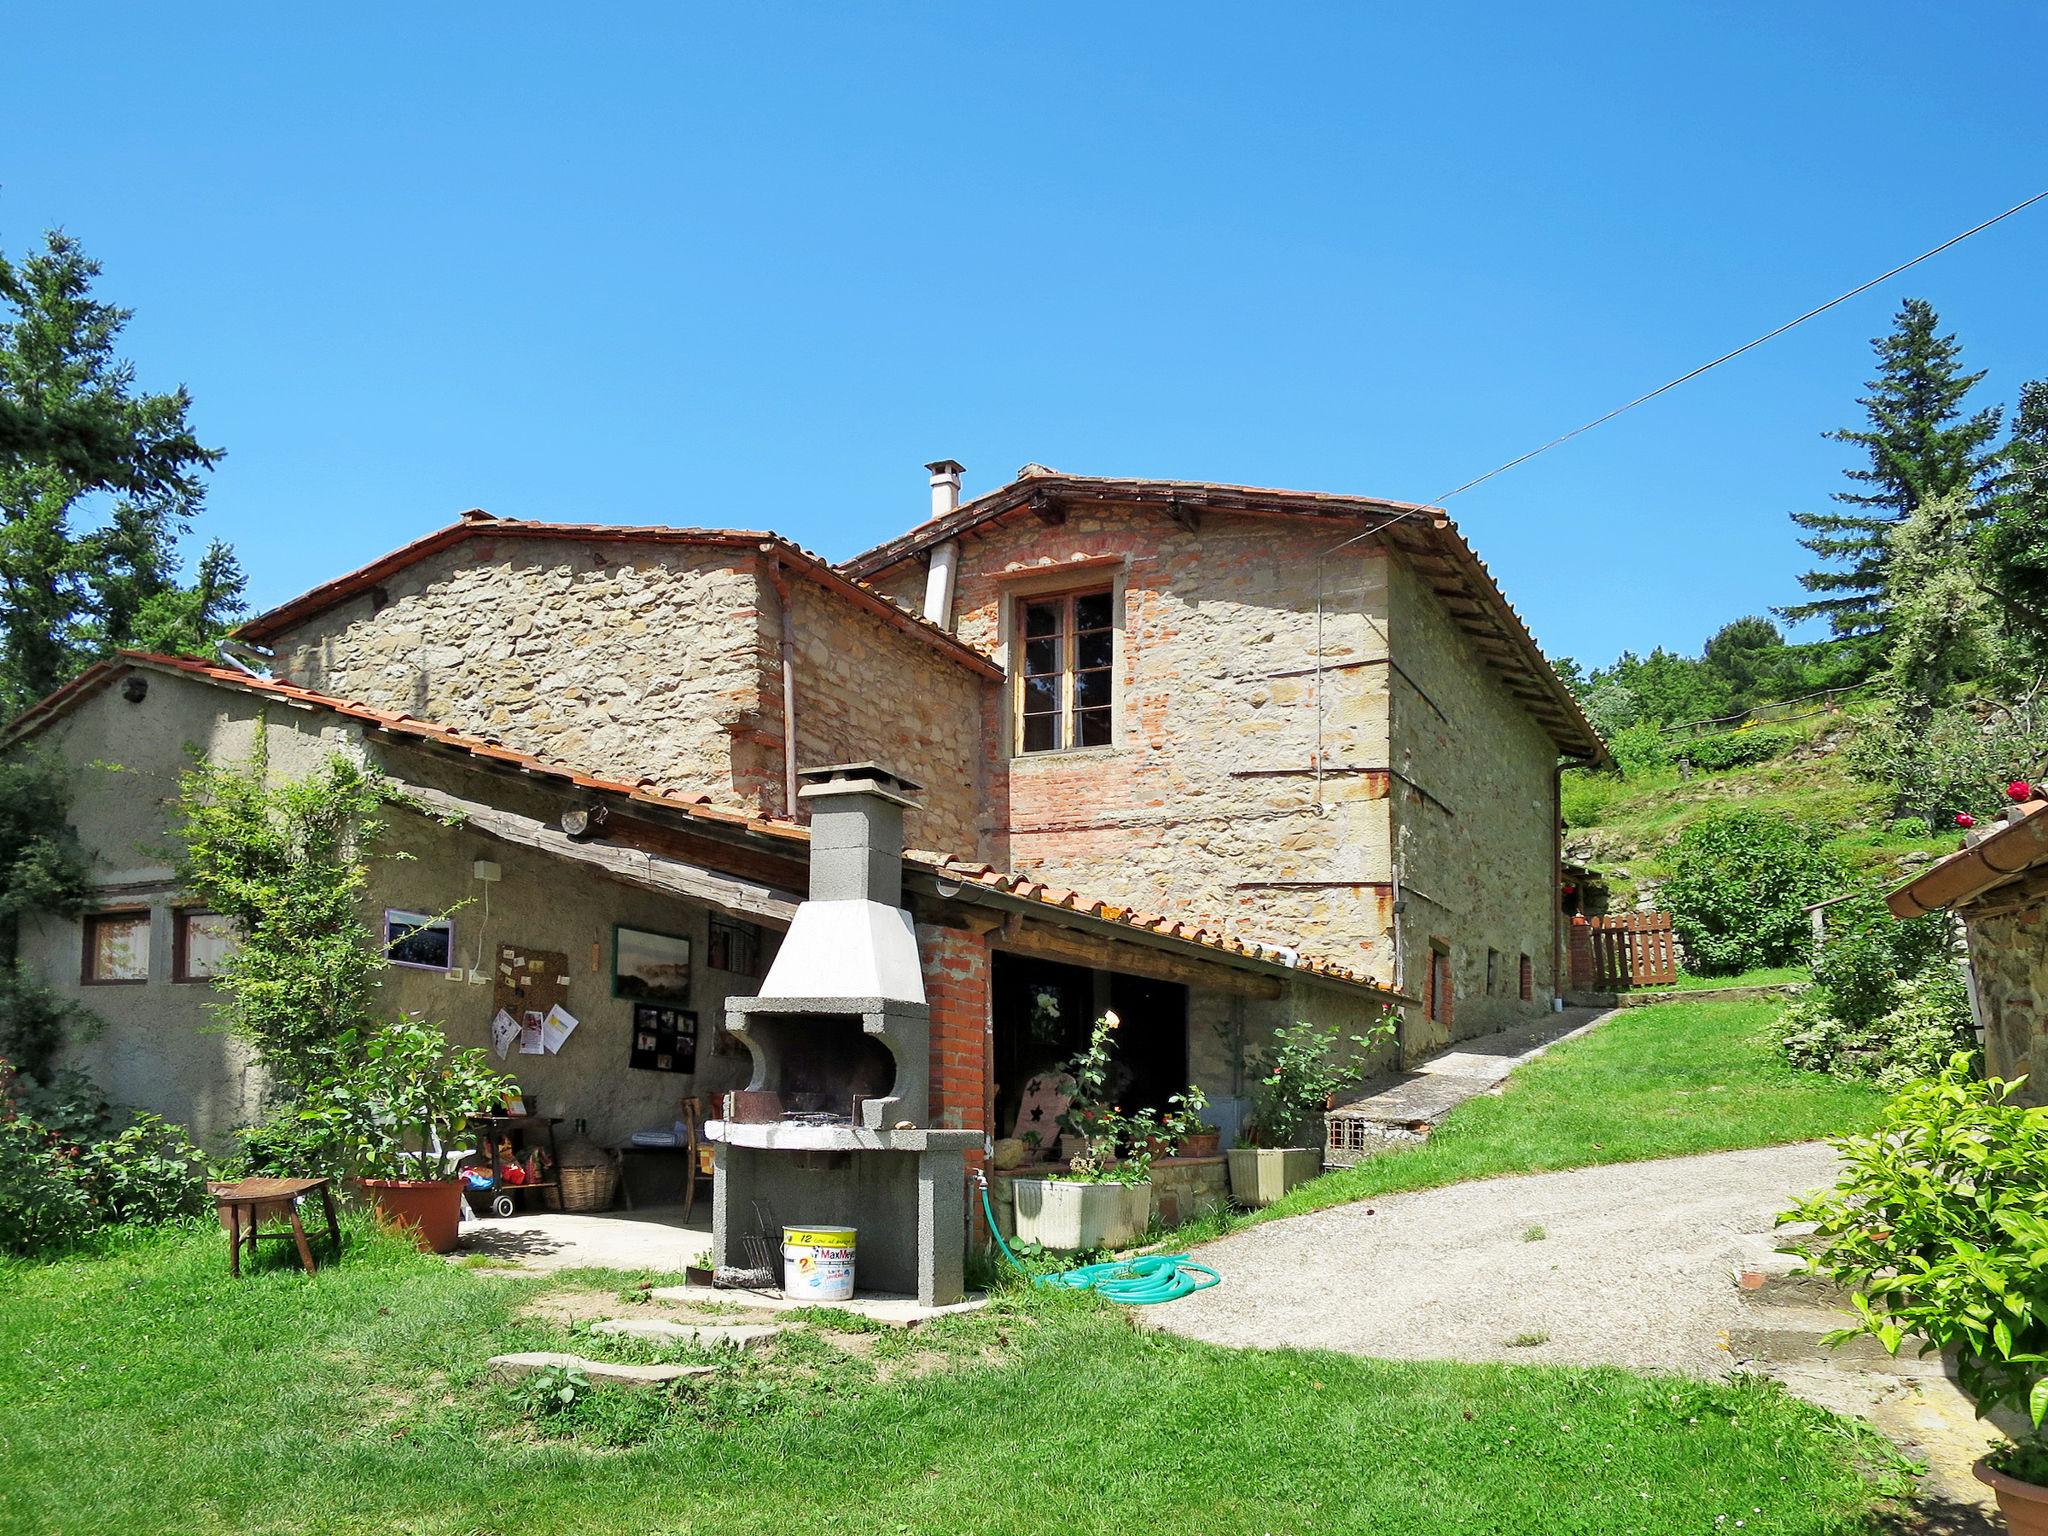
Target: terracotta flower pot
(2024, 1505)
(429, 1209)
(1202, 1144)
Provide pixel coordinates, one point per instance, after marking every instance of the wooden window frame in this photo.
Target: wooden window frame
(181, 945)
(1439, 989)
(1068, 633)
(735, 931)
(89, 946)
(1528, 980)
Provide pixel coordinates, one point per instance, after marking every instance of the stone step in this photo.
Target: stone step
(600, 1373)
(660, 1330)
(1793, 1334)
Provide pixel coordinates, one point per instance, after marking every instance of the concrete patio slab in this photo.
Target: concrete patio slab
(879, 1307)
(660, 1330)
(658, 1238)
(601, 1373)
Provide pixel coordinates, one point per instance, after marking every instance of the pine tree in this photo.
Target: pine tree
(2016, 536)
(1921, 445)
(81, 573)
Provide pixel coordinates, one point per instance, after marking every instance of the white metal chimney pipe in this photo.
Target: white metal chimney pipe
(945, 557)
(946, 475)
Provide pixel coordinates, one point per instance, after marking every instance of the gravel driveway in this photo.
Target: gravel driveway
(1632, 1266)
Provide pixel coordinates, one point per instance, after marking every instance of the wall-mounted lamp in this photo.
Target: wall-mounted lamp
(584, 822)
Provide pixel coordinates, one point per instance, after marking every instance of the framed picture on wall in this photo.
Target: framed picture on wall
(664, 1039)
(649, 966)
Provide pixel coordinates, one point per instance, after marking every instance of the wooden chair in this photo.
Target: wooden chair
(697, 1152)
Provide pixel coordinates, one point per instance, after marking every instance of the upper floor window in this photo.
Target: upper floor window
(116, 947)
(1065, 692)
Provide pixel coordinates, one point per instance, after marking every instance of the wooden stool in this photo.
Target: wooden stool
(254, 1199)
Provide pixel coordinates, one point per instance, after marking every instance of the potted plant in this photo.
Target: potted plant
(399, 1099)
(1292, 1082)
(1104, 1199)
(1938, 1230)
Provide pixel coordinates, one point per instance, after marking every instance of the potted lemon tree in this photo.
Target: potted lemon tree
(401, 1097)
(1290, 1088)
(1938, 1231)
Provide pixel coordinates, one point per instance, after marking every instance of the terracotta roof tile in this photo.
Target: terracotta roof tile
(646, 791)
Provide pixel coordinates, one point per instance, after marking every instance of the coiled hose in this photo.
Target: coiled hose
(1139, 1282)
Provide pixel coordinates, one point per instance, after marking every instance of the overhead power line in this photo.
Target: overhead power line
(1819, 309)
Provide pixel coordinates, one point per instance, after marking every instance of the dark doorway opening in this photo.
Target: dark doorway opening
(1043, 1011)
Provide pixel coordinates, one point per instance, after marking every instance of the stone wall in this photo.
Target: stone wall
(2009, 953)
(658, 661)
(1207, 802)
(628, 660)
(1475, 818)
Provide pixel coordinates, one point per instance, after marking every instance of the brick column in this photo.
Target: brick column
(1579, 942)
(956, 985)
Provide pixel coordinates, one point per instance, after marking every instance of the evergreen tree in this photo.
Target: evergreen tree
(2016, 537)
(82, 573)
(1921, 444)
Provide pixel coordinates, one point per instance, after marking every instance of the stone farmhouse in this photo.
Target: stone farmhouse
(1218, 757)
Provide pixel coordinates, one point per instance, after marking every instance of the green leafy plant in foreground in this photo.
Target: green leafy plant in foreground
(1938, 1230)
(402, 1090)
(1292, 1080)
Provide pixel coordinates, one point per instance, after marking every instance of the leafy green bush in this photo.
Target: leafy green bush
(1938, 1230)
(1742, 883)
(56, 1189)
(1735, 749)
(1889, 1002)
(403, 1090)
(1953, 764)
(1639, 749)
(1292, 1079)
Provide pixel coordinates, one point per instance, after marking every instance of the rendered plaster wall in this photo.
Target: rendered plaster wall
(2009, 953)
(1225, 1029)
(160, 1049)
(1474, 819)
(627, 660)
(1240, 657)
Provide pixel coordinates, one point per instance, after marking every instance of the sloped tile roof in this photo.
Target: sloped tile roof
(646, 791)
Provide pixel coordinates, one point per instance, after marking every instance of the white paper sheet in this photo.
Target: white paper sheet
(504, 1030)
(531, 1034)
(557, 1027)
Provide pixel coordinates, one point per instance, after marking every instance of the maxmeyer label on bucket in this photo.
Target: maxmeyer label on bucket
(817, 1262)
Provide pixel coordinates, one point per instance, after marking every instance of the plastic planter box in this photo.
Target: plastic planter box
(1069, 1217)
(1261, 1175)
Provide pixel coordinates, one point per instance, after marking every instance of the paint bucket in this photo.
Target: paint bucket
(817, 1263)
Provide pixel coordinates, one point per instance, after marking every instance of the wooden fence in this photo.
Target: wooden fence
(1632, 950)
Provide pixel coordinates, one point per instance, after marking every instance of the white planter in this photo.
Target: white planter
(1068, 1217)
(1261, 1175)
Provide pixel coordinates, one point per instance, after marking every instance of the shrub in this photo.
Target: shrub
(1639, 749)
(55, 1189)
(1954, 763)
(1938, 1229)
(1889, 1001)
(1735, 749)
(1292, 1080)
(1743, 880)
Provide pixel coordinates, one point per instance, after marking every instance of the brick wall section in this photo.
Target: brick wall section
(663, 662)
(956, 985)
(2009, 953)
(865, 689)
(1474, 819)
(1206, 803)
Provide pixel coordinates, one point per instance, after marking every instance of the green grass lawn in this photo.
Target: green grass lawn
(141, 1390)
(1765, 976)
(1660, 1081)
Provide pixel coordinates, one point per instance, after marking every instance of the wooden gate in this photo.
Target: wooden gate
(1632, 950)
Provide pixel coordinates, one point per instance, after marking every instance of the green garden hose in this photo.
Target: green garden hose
(1139, 1282)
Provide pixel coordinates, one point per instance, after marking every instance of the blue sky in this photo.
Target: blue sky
(752, 266)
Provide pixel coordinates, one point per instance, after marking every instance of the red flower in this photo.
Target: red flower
(1965, 819)
(2018, 790)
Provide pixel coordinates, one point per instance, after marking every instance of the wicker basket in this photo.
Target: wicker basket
(591, 1188)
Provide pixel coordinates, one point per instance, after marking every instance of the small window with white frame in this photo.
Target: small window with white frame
(1066, 672)
(419, 942)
